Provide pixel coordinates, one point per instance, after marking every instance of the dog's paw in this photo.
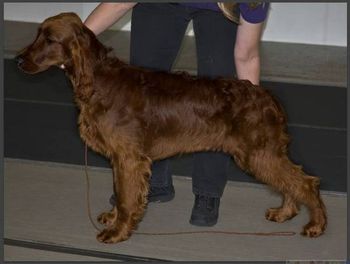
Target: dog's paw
(107, 218)
(312, 230)
(279, 215)
(110, 236)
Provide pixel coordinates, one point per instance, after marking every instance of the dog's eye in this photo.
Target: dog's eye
(50, 41)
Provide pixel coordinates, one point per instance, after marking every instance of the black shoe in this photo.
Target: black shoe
(113, 200)
(156, 194)
(205, 211)
(161, 194)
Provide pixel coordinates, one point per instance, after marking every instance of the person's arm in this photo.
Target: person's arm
(246, 52)
(105, 15)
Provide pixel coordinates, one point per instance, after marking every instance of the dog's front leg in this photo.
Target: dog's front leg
(131, 174)
(109, 218)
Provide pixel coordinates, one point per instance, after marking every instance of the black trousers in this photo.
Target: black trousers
(157, 30)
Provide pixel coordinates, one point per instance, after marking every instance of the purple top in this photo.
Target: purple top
(251, 15)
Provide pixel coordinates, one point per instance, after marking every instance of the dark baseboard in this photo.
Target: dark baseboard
(41, 124)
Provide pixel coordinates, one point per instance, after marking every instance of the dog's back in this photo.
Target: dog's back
(134, 116)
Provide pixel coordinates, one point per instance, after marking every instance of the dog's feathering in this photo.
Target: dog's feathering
(134, 116)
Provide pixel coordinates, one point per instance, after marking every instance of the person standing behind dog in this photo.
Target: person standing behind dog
(223, 48)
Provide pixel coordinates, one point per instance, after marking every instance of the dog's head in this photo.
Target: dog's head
(62, 41)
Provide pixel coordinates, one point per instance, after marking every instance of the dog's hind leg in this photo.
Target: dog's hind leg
(289, 207)
(131, 183)
(287, 211)
(297, 187)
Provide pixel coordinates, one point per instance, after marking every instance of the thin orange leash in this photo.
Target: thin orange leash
(280, 233)
(88, 191)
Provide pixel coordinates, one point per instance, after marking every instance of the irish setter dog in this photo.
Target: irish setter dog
(134, 116)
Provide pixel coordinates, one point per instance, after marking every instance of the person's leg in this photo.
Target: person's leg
(157, 31)
(215, 38)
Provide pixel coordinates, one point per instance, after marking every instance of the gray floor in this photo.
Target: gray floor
(46, 203)
(14, 253)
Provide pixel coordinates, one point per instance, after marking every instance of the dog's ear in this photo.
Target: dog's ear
(80, 61)
(80, 68)
(86, 51)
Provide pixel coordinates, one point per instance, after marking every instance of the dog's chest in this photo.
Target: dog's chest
(91, 132)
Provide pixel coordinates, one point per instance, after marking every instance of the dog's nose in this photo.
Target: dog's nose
(19, 60)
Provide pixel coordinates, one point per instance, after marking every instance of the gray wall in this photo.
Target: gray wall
(310, 23)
